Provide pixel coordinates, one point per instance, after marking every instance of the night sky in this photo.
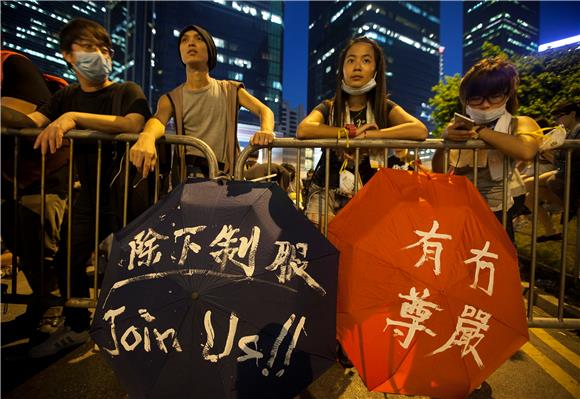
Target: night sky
(558, 20)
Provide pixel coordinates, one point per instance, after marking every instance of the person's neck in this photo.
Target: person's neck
(88, 87)
(357, 102)
(197, 79)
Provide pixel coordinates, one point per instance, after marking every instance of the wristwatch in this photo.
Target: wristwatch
(477, 130)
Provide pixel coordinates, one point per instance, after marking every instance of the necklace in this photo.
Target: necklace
(358, 114)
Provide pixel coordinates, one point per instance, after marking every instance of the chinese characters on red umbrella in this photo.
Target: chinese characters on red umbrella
(417, 309)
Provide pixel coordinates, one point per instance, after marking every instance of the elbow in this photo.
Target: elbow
(527, 155)
(422, 132)
(300, 133)
(267, 118)
(527, 152)
(418, 132)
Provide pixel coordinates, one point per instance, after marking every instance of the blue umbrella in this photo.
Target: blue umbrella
(221, 290)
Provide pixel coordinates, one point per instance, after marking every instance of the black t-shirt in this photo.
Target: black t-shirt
(358, 118)
(22, 80)
(126, 97)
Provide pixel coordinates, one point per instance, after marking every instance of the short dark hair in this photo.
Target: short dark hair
(82, 28)
(291, 169)
(565, 107)
(491, 76)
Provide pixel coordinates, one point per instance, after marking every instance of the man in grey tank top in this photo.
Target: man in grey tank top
(202, 107)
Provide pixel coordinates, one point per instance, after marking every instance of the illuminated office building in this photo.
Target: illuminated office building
(512, 25)
(249, 40)
(407, 31)
(248, 36)
(31, 28)
(132, 30)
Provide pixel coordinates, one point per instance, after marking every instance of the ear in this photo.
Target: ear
(68, 56)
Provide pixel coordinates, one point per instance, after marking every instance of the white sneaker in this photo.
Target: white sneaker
(61, 339)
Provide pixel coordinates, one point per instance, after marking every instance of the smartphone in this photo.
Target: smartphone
(464, 121)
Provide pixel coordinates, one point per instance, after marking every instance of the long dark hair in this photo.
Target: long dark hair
(491, 76)
(377, 100)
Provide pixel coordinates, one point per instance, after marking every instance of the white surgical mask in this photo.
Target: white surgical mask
(355, 91)
(93, 66)
(482, 117)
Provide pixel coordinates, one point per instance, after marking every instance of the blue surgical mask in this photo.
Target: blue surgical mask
(482, 117)
(355, 91)
(93, 66)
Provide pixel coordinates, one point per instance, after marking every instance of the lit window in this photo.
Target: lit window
(276, 19)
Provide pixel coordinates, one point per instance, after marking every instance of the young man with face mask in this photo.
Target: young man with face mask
(94, 103)
(488, 93)
(202, 107)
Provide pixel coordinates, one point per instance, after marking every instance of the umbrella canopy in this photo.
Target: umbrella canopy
(429, 297)
(221, 290)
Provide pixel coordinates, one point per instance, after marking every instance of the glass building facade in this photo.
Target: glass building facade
(512, 25)
(249, 39)
(130, 24)
(408, 32)
(248, 35)
(31, 28)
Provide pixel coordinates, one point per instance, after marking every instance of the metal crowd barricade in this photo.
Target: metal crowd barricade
(327, 144)
(83, 136)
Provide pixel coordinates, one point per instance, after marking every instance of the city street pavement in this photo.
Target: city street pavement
(546, 367)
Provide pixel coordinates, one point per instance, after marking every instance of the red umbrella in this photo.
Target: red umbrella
(429, 297)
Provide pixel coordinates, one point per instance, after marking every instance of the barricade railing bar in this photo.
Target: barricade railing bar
(569, 145)
(326, 144)
(85, 136)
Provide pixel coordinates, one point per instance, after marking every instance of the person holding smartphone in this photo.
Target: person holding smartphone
(488, 94)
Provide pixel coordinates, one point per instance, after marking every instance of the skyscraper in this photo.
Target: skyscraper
(248, 36)
(289, 119)
(249, 40)
(31, 28)
(512, 25)
(130, 24)
(407, 31)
